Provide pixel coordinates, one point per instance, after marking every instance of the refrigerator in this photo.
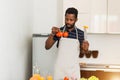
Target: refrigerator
(42, 60)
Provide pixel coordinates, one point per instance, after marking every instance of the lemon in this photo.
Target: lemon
(85, 27)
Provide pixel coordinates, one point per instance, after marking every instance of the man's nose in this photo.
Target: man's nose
(68, 22)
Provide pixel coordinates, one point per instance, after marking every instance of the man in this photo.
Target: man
(67, 63)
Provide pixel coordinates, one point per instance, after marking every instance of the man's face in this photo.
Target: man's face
(70, 20)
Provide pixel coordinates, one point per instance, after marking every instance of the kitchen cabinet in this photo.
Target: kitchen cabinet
(102, 16)
(113, 16)
(98, 16)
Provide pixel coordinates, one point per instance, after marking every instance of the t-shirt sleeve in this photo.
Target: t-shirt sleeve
(56, 39)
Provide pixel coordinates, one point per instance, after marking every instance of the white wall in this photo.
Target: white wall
(47, 13)
(108, 47)
(15, 39)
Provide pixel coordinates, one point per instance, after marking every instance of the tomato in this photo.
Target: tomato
(59, 34)
(66, 78)
(65, 34)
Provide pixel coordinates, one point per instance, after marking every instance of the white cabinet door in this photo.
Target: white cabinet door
(82, 5)
(114, 16)
(98, 16)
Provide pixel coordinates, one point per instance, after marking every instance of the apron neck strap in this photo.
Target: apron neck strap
(75, 29)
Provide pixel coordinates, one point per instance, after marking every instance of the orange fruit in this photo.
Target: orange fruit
(35, 77)
(65, 34)
(59, 34)
(49, 78)
(42, 78)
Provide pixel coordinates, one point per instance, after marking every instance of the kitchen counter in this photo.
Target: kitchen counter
(102, 71)
(100, 67)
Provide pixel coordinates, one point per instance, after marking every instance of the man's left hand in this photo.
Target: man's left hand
(85, 46)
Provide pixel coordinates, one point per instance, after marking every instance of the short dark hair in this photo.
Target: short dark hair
(72, 10)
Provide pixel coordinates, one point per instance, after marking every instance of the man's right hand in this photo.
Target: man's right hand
(55, 30)
(50, 41)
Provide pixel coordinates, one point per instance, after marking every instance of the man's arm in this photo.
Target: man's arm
(50, 41)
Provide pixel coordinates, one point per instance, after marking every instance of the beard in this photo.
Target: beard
(69, 26)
